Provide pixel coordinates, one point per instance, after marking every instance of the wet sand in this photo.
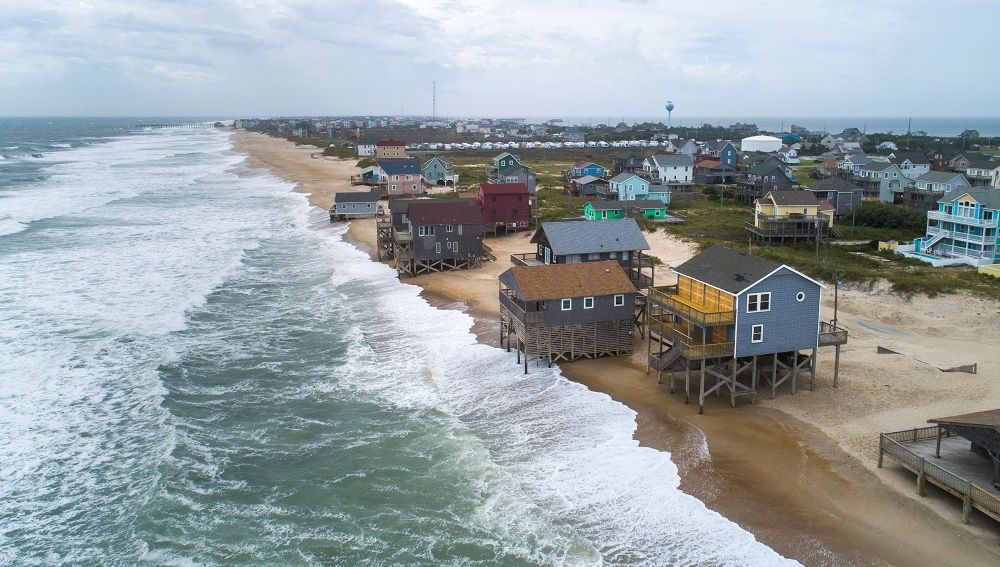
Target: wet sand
(798, 471)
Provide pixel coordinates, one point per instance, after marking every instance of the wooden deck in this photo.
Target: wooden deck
(958, 471)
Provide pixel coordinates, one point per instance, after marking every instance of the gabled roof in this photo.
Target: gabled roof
(717, 145)
(583, 164)
(709, 164)
(563, 281)
(825, 205)
(939, 176)
(512, 168)
(447, 163)
(765, 167)
(878, 166)
(857, 158)
(984, 164)
(504, 189)
(793, 198)
(988, 198)
(624, 176)
(916, 158)
(643, 204)
(498, 157)
(586, 179)
(576, 237)
(402, 205)
(356, 197)
(731, 271)
(430, 211)
(835, 183)
(608, 205)
(390, 142)
(400, 166)
(671, 160)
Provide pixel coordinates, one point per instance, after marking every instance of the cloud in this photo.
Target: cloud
(518, 57)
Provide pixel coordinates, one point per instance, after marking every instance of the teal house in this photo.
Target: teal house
(965, 229)
(604, 210)
(584, 168)
(652, 209)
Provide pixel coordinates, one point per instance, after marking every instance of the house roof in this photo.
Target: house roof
(559, 281)
(984, 164)
(914, 158)
(586, 179)
(793, 198)
(512, 168)
(447, 163)
(402, 205)
(643, 204)
(988, 198)
(498, 157)
(431, 211)
(672, 160)
(356, 197)
(576, 237)
(400, 166)
(939, 176)
(825, 205)
(727, 269)
(835, 183)
(608, 205)
(583, 164)
(857, 158)
(709, 164)
(390, 142)
(623, 176)
(765, 167)
(504, 189)
(877, 166)
(989, 419)
(717, 145)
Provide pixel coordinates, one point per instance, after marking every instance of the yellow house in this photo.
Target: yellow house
(798, 205)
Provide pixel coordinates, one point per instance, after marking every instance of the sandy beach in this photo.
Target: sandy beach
(799, 472)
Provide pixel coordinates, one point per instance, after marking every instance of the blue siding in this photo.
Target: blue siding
(789, 325)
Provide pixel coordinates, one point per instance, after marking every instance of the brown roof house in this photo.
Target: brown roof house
(435, 236)
(567, 311)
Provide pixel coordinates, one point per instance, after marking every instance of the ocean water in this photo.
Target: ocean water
(195, 369)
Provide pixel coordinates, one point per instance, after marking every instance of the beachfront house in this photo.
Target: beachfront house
(436, 235)
(842, 194)
(604, 210)
(585, 168)
(790, 216)
(505, 206)
(400, 177)
(354, 205)
(733, 318)
(587, 186)
(723, 151)
(712, 171)
(567, 311)
(570, 242)
(965, 228)
(628, 187)
(390, 149)
(983, 174)
(366, 148)
(651, 209)
(881, 180)
(439, 171)
(761, 178)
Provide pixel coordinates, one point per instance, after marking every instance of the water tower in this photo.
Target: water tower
(670, 108)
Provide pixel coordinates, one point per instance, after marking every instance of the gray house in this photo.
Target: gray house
(439, 171)
(728, 310)
(517, 174)
(436, 235)
(567, 311)
(844, 195)
(353, 205)
(572, 242)
(880, 180)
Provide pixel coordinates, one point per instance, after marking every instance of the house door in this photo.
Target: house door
(547, 255)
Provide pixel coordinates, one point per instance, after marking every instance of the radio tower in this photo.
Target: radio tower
(434, 100)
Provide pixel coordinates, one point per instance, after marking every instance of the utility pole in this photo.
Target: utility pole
(817, 239)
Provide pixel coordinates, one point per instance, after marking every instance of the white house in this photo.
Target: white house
(760, 144)
(366, 148)
(670, 168)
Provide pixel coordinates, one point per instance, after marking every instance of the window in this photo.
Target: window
(588, 302)
(757, 302)
(567, 304)
(757, 334)
(449, 228)
(394, 187)
(619, 300)
(425, 230)
(437, 247)
(800, 296)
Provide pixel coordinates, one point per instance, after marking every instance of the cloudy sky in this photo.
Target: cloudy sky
(512, 58)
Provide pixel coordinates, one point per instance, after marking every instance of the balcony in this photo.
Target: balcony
(516, 309)
(692, 348)
(791, 226)
(668, 298)
(831, 335)
(402, 235)
(967, 221)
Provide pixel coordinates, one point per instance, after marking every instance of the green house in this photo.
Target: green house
(649, 208)
(603, 210)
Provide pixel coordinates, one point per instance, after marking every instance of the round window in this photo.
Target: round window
(800, 296)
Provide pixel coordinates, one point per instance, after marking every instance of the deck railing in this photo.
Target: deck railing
(524, 258)
(830, 334)
(893, 444)
(667, 297)
(516, 310)
(690, 346)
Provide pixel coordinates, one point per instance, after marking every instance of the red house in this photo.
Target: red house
(505, 204)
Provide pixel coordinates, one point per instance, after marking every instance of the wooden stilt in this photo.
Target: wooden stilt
(812, 373)
(836, 366)
(732, 386)
(795, 370)
(753, 381)
(701, 396)
(774, 375)
(687, 381)
(937, 449)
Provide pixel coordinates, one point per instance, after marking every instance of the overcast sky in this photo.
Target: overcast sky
(608, 58)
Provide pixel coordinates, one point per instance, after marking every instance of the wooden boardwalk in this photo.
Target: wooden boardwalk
(958, 470)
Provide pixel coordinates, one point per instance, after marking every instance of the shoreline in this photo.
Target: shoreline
(796, 488)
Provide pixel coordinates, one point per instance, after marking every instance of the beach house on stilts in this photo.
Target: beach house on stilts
(732, 318)
(567, 311)
(432, 235)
